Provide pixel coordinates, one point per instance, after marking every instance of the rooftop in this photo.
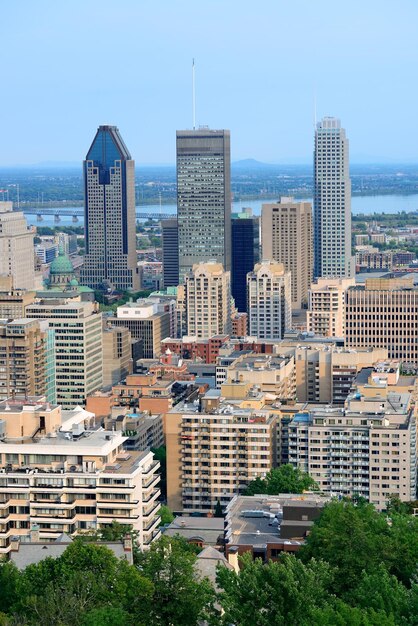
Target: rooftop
(250, 518)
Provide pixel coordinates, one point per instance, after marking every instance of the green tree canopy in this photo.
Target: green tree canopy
(283, 479)
(355, 538)
(179, 597)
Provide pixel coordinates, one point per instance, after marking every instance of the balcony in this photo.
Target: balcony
(152, 524)
(147, 515)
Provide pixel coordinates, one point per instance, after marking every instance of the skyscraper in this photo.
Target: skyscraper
(332, 202)
(203, 197)
(245, 244)
(170, 237)
(109, 214)
(286, 235)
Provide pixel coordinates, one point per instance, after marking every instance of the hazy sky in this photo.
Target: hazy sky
(68, 66)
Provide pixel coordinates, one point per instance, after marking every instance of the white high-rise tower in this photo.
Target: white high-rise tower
(332, 202)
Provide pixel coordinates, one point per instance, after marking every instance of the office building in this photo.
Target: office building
(326, 311)
(60, 472)
(216, 446)
(384, 313)
(46, 251)
(269, 294)
(109, 214)
(367, 448)
(17, 257)
(117, 354)
(146, 320)
(203, 198)
(208, 301)
(78, 347)
(332, 202)
(245, 238)
(286, 236)
(170, 239)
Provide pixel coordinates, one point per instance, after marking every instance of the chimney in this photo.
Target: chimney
(127, 548)
(233, 558)
(34, 533)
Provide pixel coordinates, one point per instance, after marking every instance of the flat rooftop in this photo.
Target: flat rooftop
(258, 531)
(31, 403)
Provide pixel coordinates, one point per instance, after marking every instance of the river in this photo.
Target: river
(359, 204)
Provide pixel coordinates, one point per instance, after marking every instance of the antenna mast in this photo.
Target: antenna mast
(193, 98)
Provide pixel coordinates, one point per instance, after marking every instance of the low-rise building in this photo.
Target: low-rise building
(192, 348)
(268, 526)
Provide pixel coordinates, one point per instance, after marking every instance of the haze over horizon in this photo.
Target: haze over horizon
(259, 69)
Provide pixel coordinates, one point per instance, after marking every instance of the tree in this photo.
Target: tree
(107, 616)
(351, 538)
(283, 479)
(86, 577)
(218, 510)
(9, 582)
(166, 515)
(403, 549)
(276, 593)
(380, 591)
(179, 597)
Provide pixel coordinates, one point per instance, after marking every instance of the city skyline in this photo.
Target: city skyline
(342, 61)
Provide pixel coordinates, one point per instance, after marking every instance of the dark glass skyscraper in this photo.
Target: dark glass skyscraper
(245, 254)
(170, 236)
(109, 214)
(203, 197)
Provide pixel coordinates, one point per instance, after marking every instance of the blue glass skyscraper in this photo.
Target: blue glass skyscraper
(109, 214)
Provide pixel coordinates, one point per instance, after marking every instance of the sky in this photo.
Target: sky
(260, 67)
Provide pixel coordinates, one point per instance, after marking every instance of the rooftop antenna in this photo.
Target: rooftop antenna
(193, 98)
(314, 103)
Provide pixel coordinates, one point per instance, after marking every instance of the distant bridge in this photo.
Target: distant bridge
(76, 213)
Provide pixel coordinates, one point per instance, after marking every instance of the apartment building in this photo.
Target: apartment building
(208, 300)
(286, 235)
(367, 448)
(216, 445)
(325, 373)
(367, 261)
(25, 358)
(78, 347)
(326, 311)
(269, 296)
(13, 302)
(384, 313)
(273, 374)
(66, 475)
